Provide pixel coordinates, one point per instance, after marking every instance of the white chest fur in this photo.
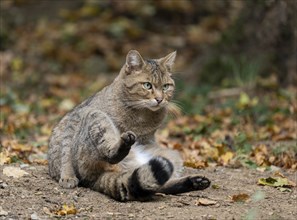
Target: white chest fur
(138, 156)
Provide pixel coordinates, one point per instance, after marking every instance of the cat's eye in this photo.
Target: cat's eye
(147, 85)
(165, 87)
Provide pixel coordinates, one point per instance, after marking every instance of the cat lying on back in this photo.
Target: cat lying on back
(107, 142)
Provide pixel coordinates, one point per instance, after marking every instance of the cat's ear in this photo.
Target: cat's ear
(134, 61)
(168, 61)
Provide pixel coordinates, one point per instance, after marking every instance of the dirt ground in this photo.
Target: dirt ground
(37, 196)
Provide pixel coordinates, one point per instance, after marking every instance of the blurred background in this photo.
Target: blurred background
(235, 72)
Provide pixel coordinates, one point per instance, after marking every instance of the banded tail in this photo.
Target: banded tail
(139, 184)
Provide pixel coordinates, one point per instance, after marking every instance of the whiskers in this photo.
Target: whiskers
(136, 104)
(174, 109)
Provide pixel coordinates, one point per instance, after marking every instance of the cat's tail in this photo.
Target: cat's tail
(139, 184)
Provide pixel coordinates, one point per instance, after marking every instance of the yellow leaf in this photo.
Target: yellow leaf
(244, 100)
(208, 150)
(45, 103)
(41, 162)
(4, 158)
(276, 182)
(261, 148)
(88, 10)
(46, 129)
(67, 210)
(17, 64)
(225, 158)
(195, 164)
(215, 186)
(21, 147)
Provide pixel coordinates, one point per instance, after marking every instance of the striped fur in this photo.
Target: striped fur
(107, 142)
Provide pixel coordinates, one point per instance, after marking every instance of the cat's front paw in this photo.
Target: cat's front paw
(128, 138)
(68, 182)
(199, 182)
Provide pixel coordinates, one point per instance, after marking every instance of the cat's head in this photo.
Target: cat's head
(148, 83)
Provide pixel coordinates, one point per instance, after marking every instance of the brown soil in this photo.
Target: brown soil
(36, 196)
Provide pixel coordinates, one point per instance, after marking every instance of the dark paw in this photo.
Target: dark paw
(128, 138)
(199, 182)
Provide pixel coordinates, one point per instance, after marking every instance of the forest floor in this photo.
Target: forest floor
(234, 194)
(235, 132)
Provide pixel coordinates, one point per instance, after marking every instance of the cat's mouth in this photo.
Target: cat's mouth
(155, 106)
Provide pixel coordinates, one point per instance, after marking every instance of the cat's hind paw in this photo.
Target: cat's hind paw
(68, 182)
(199, 182)
(128, 138)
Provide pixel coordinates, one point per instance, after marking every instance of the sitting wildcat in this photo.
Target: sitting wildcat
(107, 142)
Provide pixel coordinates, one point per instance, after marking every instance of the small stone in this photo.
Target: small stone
(217, 205)
(34, 216)
(3, 185)
(24, 166)
(3, 212)
(274, 168)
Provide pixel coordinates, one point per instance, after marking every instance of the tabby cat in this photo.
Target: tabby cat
(107, 142)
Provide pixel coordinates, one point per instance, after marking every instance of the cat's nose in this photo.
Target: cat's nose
(159, 99)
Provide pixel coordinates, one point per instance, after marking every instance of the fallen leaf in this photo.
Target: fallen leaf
(46, 129)
(4, 158)
(215, 186)
(242, 197)
(225, 158)
(283, 189)
(195, 164)
(276, 182)
(205, 202)
(40, 161)
(245, 100)
(17, 64)
(47, 211)
(279, 174)
(21, 147)
(14, 172)
(66, 105)
(67, 210)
